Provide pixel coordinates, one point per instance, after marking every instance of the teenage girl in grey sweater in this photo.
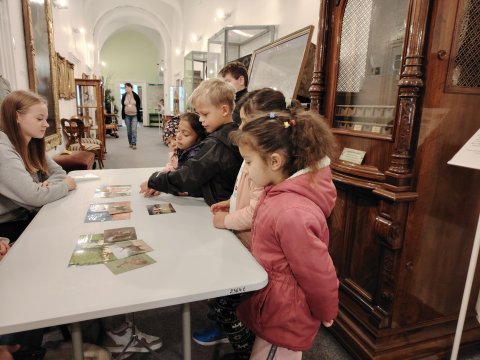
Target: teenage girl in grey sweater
(28, 178)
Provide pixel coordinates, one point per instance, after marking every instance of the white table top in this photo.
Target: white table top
(194, 261)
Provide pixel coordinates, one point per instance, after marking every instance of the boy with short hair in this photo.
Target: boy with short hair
(214, 169)
(236, 74)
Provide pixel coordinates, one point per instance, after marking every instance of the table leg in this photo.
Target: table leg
(77, 342)
(187, 342)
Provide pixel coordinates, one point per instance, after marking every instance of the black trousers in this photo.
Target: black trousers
(14, 229)
(223, 310)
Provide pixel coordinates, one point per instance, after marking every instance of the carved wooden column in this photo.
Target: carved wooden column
(317, 89)
(399, 172)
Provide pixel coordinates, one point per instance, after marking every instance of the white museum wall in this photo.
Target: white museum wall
(199, 18)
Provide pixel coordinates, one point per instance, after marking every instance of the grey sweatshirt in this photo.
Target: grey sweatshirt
(19, 191)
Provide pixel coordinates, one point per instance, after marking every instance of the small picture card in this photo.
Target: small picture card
(113, 191)
(108, 211)
(157, 209)
(123, 249)
(129, 263)
(357, 127)
(119, 234)
(352, 155)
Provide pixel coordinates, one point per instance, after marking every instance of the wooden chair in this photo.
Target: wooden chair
(74, 129)
(111, 126)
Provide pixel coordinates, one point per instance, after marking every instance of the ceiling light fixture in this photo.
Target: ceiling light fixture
(222, 15)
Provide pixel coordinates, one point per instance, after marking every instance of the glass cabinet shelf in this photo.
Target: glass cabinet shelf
(377, 119)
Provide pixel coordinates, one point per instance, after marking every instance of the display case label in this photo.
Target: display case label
(352, 155)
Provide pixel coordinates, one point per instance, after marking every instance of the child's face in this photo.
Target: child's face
(212, 117)
(238, 84)
(186, 137)
(257, 168)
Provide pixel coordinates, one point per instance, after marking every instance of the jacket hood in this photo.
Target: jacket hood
(316, 186)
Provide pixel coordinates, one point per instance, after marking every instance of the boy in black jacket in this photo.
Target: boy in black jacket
(214, 169)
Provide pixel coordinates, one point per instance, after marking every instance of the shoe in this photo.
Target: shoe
(134, 147)
(210, 337)
(116, 342)
(131, 145)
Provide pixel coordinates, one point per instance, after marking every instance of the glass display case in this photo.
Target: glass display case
(369, 67)
(195, 71)
(234, 42)
(90, 106)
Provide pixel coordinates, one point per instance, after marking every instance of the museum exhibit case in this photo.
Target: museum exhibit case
(234, 42)
(399, 83)
(195, 71)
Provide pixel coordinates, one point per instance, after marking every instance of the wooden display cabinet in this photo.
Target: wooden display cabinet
(393, 81)
(90, 106)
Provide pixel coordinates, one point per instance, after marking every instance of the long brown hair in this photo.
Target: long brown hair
(33, 152)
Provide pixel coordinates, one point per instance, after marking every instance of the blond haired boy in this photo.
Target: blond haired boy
(212, 172)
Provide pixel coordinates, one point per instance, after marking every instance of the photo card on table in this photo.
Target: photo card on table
(120, 234)
(129, 263)
(158, 209)
(111, 191)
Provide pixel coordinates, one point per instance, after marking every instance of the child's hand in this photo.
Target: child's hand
(4, 247)
(327, 323)
(43, 184)
(223, 206)
(7, 350)
(219, 219)
(72, 185)
(146, 191)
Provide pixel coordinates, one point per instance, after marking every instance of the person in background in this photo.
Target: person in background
(28, 180)
(288, 153)
(131, 106)
(212, 171)
(237, 214)
(236, 73)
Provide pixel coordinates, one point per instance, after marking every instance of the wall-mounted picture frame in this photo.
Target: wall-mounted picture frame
(280, 65)
(66, 78)
(41, 62)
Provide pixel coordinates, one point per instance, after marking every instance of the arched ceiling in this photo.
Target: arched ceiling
(157, 19)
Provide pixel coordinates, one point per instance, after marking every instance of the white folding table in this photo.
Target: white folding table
(194, 261)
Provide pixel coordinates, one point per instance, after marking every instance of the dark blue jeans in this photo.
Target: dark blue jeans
(131, 122)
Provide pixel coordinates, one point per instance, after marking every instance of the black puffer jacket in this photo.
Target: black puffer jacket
(213, 170)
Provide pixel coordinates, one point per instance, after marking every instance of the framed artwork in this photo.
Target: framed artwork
(280, 65)
(41, 61)
(66, 78)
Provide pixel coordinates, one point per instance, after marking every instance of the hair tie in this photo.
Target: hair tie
(288, 103)
(272, 115)
(289, 123)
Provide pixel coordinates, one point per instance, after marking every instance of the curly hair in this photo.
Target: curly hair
(302, 136)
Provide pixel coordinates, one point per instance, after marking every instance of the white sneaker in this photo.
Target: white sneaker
(116, 342)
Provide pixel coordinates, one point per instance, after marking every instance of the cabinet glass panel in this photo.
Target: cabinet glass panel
(369, 66)
(195, 68)
(234, 42)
